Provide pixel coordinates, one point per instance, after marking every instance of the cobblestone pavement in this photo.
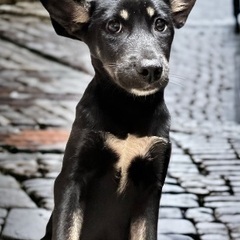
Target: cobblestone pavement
(42, 77)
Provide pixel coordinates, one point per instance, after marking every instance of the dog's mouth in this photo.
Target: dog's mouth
(143, 92)
(129, 79)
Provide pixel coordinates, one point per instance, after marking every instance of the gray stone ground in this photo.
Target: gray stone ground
(42, 76)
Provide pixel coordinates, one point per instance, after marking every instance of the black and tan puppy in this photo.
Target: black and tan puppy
(118, 152)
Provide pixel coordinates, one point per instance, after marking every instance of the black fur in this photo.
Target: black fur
(236, 9)
(125, 98)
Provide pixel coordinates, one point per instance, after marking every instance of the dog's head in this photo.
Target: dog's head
(129, 40)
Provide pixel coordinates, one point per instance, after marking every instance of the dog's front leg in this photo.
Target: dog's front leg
(68, 212)
(79, 166)
(145, 220)
(144, 223)
(65, 222)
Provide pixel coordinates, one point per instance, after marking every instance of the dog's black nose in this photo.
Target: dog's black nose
(151, 70)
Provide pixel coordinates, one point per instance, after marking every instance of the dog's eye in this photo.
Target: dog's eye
(114, 26)
(160, 25)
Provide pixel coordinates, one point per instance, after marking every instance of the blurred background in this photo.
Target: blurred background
(43, 76)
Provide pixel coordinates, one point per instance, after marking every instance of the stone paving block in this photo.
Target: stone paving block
(50, 164)
(179, 200)
(227, 168)
(198, 191)
(214, 237)
(230, 218)
(3, 213)
(55, 109)
(235, 236)
(170, 188)
(23, 8)
(163, 237)
(180, 158)
(20, 167)
(39, 188)
(223, 204)
(170, 213)
(178, 237)
(176, 226)
(236, 190)
(7, 181)
(200, 214)
(26, 224)
(47, 203)
(193, 183)
(217, 198)
(218, 188)
(182, 168)
(173, 237)
(51, 174)
(217, 162)
(4, 121)
(15, 198)
(222, 211)
(211, 228)
(213, 180)
(234, 227)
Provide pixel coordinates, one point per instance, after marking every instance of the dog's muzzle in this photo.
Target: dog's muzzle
(149, 70)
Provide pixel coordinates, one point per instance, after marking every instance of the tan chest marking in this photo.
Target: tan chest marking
(127, 149)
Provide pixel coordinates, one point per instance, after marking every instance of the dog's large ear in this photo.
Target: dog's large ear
(68, 16)
(180, 11)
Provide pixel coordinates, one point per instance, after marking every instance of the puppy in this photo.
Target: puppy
(118, 152)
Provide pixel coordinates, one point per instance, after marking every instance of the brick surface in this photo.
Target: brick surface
(37, 140)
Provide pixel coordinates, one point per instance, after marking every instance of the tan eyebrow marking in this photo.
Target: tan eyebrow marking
(124, 14)
(150, 11)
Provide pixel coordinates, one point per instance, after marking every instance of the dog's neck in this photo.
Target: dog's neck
(114, 110)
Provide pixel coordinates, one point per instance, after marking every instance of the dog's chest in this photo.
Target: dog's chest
(131, 147)
(130, 150)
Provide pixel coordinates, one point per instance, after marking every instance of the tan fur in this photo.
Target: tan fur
(80, 15)
(150, 11)
(76, 225)
(138, 229)
(124, 14)
(181, 5)
(127, 150)
(108, 69)
(178, 6)
(181, 10)
(143, 92)
(98, 51)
